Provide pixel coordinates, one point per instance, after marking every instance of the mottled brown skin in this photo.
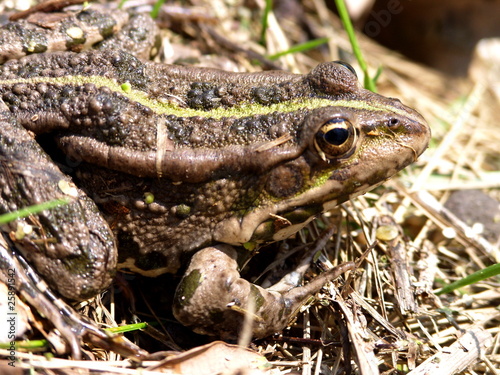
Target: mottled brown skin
(219, 175)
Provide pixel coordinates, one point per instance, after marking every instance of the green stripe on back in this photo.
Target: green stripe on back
(243, 110)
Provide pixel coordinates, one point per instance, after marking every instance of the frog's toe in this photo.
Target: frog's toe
(213, 299)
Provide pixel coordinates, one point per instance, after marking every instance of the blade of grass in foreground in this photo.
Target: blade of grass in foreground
(44, 344)
(27, 211)
(471, 279)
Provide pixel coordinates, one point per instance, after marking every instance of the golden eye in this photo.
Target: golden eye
(335, 138)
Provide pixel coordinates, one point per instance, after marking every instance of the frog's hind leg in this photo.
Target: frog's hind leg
(213, 299)
(70, 245)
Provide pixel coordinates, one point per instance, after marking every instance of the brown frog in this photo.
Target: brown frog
(180, 166)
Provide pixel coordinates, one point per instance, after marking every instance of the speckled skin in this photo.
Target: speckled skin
(180, 159)
(77, 31)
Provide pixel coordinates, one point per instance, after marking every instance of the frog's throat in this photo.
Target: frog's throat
(238, 231)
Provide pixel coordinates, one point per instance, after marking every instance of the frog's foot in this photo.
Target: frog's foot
(212, 298)
(16, 272)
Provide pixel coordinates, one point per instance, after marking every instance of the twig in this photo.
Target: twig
(455, 358)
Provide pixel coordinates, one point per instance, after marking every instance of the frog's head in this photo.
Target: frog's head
(347, 149)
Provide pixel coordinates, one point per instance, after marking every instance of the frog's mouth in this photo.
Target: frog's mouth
(283, 225)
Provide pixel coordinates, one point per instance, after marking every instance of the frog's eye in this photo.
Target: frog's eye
(348, 66)
(335, 138)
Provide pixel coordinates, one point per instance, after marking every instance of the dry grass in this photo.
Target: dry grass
(385, 316)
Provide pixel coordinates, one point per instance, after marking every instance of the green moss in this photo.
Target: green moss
(187, 287)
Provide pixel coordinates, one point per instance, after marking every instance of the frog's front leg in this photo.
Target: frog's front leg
(212, 298)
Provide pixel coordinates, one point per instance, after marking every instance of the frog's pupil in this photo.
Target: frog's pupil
(393, 122)
(336, 136)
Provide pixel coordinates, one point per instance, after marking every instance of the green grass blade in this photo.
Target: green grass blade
(27, 345)
(156, 8)
(471, 279)
(346, 21)
(265, 16)
(300, 48)
(27, 211)
(128, 328)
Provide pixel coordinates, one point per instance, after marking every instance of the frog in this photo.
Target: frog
(180, 169)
